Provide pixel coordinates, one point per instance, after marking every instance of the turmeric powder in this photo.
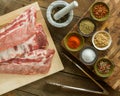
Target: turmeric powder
(73, 42)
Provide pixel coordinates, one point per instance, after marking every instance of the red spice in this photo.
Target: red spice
(73, 42)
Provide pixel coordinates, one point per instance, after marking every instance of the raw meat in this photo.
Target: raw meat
(41, 36)
(37, 41)
(19, 30)
(34, 62)
(23, 46)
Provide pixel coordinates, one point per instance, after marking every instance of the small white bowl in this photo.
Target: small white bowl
(102, 48)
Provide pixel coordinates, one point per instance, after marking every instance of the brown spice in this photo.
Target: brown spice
(101, 39)
(100, 10)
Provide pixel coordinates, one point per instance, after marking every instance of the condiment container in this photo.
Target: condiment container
(101, 40)
(86, 27)
(60, 13)
(99, 11)
(88, 55)
(73, 41)
(104, 67)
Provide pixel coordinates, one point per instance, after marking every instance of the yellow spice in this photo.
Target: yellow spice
(101, 39)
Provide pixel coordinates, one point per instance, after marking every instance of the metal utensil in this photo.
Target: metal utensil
(104, 91)
(73, 88)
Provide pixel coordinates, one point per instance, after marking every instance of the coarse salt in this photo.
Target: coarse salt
(88, 55)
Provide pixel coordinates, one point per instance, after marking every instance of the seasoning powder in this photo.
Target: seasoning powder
(88, 55)
(101, 39)
(86, 26)
(73, 42)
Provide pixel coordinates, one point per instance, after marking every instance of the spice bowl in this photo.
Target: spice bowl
(73, 41)
(104, 67)
(88, 55)
(86, 27)
(99, 11)
(101, 40)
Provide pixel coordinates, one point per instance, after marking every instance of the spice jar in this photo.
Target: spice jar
(88, 55)
(73, 41)
(99, 11)
(104, 67)
(86, 27)
(101, 40)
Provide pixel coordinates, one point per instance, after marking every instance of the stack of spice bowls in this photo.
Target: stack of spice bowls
(88, 54)
(99, 12)
(86, 30)
(101, 39)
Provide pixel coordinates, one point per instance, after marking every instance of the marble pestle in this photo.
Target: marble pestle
(65, 10)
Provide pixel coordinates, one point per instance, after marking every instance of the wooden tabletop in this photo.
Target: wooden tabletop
(71, 75)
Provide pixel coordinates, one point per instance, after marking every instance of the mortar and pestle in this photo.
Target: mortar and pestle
(60, 13)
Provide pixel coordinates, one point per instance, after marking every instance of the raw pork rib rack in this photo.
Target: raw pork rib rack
(23, 46)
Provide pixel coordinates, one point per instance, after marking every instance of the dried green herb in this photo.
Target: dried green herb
(86, 26)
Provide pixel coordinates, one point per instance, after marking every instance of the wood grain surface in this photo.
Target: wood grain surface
(113, 53)
(113, 25)
(70, 73)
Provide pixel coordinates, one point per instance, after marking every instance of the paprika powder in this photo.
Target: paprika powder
(73, 42)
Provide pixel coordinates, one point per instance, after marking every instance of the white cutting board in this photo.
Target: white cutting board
(10, 82)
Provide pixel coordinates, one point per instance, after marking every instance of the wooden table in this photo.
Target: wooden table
(71, 75)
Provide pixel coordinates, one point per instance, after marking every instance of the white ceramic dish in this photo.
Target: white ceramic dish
(102, 48)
